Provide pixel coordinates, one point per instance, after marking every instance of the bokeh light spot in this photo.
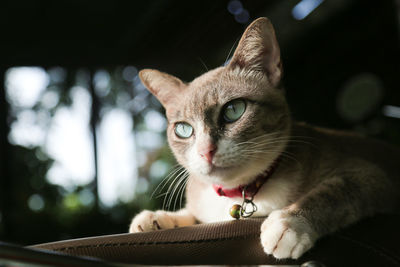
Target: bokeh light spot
(86, 198)
(129, 73)
(235, 7)
(243, 17)
(304, 8)
(57, 74)
(159, 169)
(155, 121)
(24, 85)
(360, 96)
(50, 99)
(36, 202)
(102, 81)
(142, 185)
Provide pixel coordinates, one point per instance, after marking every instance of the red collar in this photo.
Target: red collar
(251, 189)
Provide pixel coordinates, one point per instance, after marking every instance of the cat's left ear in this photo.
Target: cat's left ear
(162, 85)
(258, 49)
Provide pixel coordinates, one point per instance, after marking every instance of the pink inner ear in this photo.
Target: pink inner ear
(275, 72)
(207, 150)
(162, 85)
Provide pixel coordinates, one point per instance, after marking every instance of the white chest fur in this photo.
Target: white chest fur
(274, 194)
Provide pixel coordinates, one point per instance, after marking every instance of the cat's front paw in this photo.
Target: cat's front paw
(152, 220)
(286, 236)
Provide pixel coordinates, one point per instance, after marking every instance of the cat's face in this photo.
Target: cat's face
(238, 119)
(228, 125)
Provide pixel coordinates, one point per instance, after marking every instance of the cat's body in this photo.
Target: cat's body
(231, 124)
(317, 155)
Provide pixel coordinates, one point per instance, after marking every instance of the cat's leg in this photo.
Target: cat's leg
(155, 220)
(333, 204)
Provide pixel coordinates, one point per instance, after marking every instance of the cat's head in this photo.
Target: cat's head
(228, 125)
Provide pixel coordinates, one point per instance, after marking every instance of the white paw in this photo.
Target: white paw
(286, 236)
(152, 220)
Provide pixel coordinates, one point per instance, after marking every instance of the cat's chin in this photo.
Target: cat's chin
(216, 172)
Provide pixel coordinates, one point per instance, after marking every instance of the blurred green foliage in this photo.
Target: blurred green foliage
(39, 211)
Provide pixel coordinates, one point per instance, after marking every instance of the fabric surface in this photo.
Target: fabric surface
(372, 242)
(17, 256)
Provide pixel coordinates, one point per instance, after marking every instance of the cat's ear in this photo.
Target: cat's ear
(258, 49)
(161, 85)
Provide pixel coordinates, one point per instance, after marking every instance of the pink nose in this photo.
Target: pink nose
(207, 151)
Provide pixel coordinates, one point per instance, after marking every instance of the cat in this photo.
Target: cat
(232, 126)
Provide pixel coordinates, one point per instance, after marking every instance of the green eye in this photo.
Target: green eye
(234, 110)
(183, 130)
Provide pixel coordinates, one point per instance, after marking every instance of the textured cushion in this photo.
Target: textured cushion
(372, 242)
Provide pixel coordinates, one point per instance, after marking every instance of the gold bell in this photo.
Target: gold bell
(235, 211)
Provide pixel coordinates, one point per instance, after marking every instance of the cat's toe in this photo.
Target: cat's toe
(150, 221)
(305, 244)
(271, 233)
(286, 244)
(286, 236)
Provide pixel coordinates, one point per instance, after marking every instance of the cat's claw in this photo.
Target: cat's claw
(286, 236)
(152, 220)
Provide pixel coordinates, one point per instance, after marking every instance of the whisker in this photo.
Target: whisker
(181, 188)
(230, 51)
(264, 144)
(171, 186)
(254, 140)
(183, 193)
(283, 156)
(175, 189)
(164, 182)
(162, 194)
(288, 140)
(299, 138)
(282, 153)
(264, 135)
(288, 137)
(258, 151)
(204, 64)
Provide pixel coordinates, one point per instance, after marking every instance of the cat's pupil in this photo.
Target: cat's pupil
(234, 110)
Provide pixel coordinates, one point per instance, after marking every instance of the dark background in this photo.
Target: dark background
(334, 61)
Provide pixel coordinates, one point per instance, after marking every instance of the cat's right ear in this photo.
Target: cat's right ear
(161, 85)
(258, 50)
